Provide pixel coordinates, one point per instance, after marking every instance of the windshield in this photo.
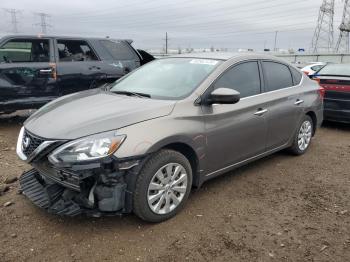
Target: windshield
(335, 69)
(170, 78)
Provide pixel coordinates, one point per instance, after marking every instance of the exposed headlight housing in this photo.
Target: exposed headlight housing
(88, 148)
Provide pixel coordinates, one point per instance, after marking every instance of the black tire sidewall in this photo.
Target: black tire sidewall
(160, 159)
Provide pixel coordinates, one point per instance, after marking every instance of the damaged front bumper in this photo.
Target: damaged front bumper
(95, 189)
(48, 196)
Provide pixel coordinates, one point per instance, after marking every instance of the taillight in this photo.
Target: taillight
(322, 92)
(306, 73)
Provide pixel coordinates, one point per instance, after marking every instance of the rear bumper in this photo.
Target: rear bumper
(337, 110)
(337, 115)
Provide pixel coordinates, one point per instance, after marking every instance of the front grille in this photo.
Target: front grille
(30, 143)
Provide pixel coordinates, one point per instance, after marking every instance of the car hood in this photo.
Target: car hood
(92, 112)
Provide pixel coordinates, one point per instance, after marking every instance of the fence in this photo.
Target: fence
(302, 58)
(306, 58)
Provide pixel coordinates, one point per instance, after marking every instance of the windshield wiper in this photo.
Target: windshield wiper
(128, 93)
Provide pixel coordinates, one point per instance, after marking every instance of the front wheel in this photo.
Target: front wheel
(162, 186)
(302, 139)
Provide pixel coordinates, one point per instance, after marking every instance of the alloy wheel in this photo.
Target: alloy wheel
(167, 188)
(304, 136)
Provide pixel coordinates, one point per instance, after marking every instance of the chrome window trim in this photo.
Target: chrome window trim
(244, 98)
(274, 91)
(253, 60)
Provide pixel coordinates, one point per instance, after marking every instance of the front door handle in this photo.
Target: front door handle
(260, 112)
(298, 102)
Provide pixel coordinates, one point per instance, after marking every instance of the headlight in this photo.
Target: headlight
(88, 148)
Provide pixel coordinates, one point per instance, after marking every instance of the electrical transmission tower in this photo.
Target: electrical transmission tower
(14, 20)
(43, 22)
(323, 36)
(343, 40)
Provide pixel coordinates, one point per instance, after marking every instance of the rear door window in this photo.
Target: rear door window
(278, 76)
(74, 51)
(25, 51)
(118, 50)
(317, 67)
(244, 78)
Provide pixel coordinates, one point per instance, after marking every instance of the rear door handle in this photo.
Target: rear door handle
(298, 102)
(260, 112)
(94, 68)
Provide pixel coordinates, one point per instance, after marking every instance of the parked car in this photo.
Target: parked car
(335, 78)
(37, 69)
(172, 124)
(313, 68)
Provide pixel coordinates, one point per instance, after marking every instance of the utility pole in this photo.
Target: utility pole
(43, 22)
(166, 42)
(14, 20)
(275, 46)
(324, 32)
(344, 28)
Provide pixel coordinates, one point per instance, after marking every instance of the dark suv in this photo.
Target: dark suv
(36, 69)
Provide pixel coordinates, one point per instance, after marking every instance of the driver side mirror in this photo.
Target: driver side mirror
(223, 95)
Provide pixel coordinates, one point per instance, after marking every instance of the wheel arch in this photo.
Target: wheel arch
(184, 147)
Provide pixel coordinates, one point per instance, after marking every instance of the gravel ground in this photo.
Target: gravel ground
(281, 208)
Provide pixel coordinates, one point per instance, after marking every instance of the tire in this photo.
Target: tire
(299, 148)
(162, 199)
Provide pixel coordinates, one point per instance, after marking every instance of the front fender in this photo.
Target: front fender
(150, 136)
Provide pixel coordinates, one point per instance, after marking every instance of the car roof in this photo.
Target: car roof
(316, 63)
(229, 55)
(39, 36)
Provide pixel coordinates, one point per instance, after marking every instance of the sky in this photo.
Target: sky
(228, 24)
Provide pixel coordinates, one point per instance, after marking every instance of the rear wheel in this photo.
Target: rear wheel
(162, 186)
(302, 139)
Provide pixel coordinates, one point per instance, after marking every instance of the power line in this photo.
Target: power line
(43, 22)
(213, 25)
(260, 17)
(14, 20)
(166, 18)
(175, 5)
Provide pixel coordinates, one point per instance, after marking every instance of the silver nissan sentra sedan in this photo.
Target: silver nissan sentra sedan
(140, 144)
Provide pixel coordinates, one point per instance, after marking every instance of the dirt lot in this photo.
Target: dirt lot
(281, 208)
